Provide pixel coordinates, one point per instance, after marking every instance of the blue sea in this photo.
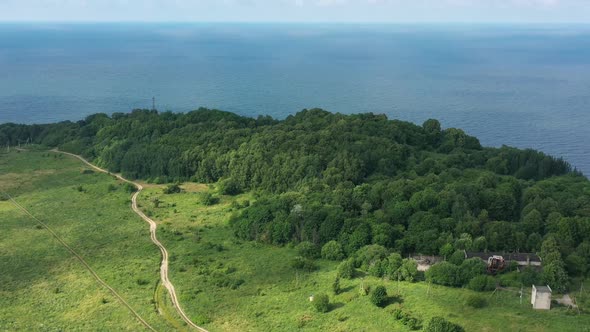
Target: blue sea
(519, 85)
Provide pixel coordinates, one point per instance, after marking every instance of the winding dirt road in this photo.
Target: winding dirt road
(153, 227)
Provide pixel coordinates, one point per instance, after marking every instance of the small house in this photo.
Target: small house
(541, 297)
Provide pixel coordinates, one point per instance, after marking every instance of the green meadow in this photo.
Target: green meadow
(224, 284)
(42, 286)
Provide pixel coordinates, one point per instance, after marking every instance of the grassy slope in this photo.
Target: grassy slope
(274, 296)
(42, 287)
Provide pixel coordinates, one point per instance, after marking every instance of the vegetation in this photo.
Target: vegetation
(294, 204)
(439, 324)
(321, 302)
(379, 296)
(42, 286)
(476, 301)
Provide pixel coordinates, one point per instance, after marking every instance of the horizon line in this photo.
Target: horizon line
(294, 22)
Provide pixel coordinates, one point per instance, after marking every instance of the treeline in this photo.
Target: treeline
(207, 145)
(355, 179)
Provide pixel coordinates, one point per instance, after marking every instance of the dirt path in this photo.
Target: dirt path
(71, 250)
(153, 226)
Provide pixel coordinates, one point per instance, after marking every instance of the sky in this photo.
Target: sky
(371, 11)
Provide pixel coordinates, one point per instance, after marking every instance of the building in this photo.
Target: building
(541, 297)
(521, 259)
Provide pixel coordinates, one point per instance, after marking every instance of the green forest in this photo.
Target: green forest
(358, 188)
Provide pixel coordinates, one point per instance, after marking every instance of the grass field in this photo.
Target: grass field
(42, 286)
(222, 283)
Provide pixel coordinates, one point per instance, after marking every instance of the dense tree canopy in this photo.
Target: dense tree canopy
(356, 180)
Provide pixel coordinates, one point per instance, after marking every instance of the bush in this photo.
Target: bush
(172, 189)
(394, 262)
(406, 318)
(439, 324)
(301, 263)
(469, 269)
(368, 255)
(529, 276)
(443, 273)
(457, 257)
(308, 250)
(346, 269)
(207, 199)
(379, 296)
(482, 283)
(230, 187)
(336, 286)
(142, 282)
(408, 271)
(321, 302)
(332, 251)
(476, 301)
(129, 188)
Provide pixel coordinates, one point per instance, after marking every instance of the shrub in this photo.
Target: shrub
(469, 269)
(321, 302)
(308, 250)
(408, 271)
(336, 286)
(346, 269)
(447, 250)
(482, 283)
(226, 281)
(368, 255)
(443, 273)
(208, 199)
(406, 318)
(377, 268)
(301, 263)
(457, 257)
(529, 276)
(476, 301)
(142, 282)
(129, 188)
(379, 296)
(439, 324)
(394, 262)
(332, 251)
(230, 187)
(172, 189)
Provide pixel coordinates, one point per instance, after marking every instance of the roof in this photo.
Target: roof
(543, 289)
(507, 256)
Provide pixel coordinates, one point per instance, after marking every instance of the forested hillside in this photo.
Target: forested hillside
(353, 179)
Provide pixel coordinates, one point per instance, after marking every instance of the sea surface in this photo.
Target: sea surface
(519, 85)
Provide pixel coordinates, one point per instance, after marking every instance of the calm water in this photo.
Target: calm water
(525, 86)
